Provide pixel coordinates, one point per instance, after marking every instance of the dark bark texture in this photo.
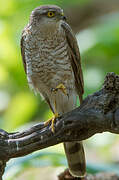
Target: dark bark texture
(98, 113)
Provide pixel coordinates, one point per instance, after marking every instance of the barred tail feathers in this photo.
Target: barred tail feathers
(76, 158)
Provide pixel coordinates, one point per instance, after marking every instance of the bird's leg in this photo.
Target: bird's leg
(52, 120)
(56, 115)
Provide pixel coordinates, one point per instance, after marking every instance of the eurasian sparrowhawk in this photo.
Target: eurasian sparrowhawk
(52, 64)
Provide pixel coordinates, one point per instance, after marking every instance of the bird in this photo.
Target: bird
(52, 64)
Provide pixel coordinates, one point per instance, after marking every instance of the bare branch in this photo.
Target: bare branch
(98, 113)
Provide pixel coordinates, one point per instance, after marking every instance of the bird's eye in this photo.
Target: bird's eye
(50, 14)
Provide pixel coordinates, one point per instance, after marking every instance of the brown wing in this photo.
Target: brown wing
(75, 59)
(23, 50)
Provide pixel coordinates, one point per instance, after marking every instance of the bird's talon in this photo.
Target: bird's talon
(52, 120)
(61, 87)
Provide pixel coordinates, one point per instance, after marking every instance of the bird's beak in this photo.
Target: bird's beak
(63, 17)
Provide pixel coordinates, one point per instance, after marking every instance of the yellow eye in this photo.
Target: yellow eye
(50, 14)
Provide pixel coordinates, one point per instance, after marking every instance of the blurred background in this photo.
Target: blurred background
(96, 25)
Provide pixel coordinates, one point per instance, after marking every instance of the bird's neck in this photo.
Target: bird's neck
(47, 31)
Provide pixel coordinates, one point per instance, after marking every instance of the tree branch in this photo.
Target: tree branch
(98, 113)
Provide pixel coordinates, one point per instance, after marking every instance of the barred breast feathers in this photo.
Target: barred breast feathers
(47, 58)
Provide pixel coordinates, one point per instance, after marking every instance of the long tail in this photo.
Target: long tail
(75, 157)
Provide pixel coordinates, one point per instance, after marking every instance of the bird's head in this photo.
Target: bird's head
(47, 16)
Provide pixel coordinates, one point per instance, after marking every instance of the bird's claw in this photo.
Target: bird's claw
(61, 87)
(52, 120)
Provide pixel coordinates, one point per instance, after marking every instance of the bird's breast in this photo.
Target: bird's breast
(48, 60)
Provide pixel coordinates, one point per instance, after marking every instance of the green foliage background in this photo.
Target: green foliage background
(99, 46)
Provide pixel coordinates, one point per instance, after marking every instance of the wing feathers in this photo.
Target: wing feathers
(75, 58)
(23, 50)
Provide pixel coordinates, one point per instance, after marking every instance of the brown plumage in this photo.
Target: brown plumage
(51, 57)
(75, 59)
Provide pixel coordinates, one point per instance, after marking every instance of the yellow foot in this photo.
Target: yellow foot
(62, 88)
(52, 120)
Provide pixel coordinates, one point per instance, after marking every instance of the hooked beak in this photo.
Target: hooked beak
(63, 18)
